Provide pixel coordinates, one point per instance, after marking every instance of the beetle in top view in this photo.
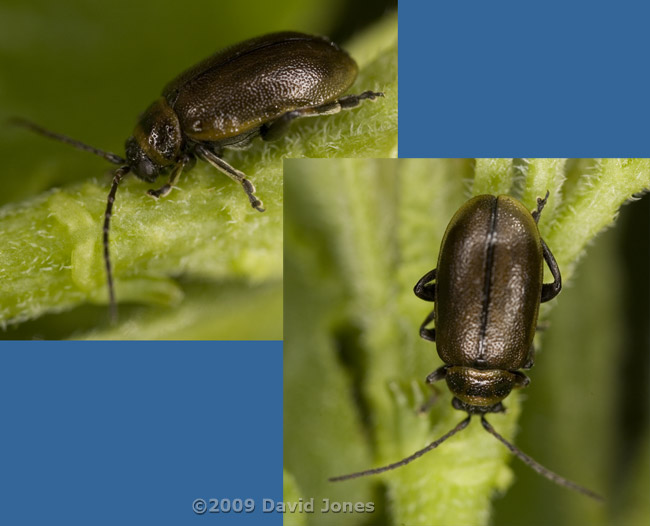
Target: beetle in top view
(255, 88)
(487, 288)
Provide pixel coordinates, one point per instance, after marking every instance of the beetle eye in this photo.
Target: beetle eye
(146, 169)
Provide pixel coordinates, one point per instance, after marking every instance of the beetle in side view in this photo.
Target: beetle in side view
(487, 288)
(255, 88)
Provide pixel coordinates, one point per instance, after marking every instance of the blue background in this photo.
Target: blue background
(524, 79)
(131, 433)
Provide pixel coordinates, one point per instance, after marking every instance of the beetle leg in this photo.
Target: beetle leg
(173, 179)
(540, 206)
(550, 290)
(424, 289)
(428, 334)
(521, 380)
(531, 358)
(430, 402)
(275, 129)
(352, 101)
(438, 374)
(542, 326)
(435, 376)
(231, 172)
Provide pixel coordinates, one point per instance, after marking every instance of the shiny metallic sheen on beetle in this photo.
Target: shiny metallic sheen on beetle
(255, 88)
(487, 291)
(487, 288)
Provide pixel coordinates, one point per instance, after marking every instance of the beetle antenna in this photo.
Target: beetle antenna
(109, 156)
(118, 175)
(406, 460)
(553, 477)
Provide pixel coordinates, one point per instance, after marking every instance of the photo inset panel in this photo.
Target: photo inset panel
(168, 223)
(399, 337)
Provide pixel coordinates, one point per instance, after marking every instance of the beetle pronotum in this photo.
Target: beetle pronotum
(487, 288)
(255, 88)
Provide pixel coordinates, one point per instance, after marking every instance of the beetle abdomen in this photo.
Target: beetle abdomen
(488, 285)
(256, 82)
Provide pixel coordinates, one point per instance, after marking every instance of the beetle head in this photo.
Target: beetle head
(156, 141)
(139, 161)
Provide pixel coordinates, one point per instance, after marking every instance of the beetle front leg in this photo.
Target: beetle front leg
(173, 179)
(231, 172)
(435, 376)
(438, 374)
(277, 128)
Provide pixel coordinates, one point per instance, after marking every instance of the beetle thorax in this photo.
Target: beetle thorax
(156, 141)
(480, 389)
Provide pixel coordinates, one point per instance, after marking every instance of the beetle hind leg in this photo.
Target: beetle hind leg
(550, 290)
(541, 203)
(231, 172)
(274, 130)
(352, 101)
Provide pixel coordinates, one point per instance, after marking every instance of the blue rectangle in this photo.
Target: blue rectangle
(133, 433)
(524, 79)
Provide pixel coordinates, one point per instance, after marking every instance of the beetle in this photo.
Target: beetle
(255, 88)
(487, 289)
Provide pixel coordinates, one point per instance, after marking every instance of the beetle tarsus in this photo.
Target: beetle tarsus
(161, 192)
(428, 334)
(541, 203)
(231, 172)
(164, 190)
(352, 101)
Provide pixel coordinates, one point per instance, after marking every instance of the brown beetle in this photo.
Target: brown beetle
(487, 288)
(255, 88)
